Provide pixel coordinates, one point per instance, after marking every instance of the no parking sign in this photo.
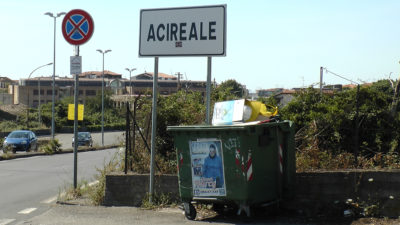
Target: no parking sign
(77, 27)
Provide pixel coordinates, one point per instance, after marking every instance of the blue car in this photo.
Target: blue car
(23, 140)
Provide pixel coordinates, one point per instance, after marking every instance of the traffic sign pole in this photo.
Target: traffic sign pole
(76, 91)
(77, 28)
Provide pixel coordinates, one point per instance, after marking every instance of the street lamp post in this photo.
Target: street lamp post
(54, 69)
(40, 119)
(130, 79)
(102, 97)
(26, 83)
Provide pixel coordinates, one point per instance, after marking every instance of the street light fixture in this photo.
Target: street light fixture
(130, 79)
(27, 111)
(102, 97)
(54, 69)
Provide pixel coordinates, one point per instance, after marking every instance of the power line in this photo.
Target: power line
(327, 71)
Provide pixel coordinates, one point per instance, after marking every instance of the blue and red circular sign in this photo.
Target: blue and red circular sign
(77, 27)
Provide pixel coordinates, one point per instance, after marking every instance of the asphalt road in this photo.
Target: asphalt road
(110, 138)
(28, 186)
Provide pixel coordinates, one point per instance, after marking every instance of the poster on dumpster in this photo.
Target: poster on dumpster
(207, 168)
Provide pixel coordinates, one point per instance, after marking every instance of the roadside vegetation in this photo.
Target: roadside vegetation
(349, 129)
(113, 117)
(333, 131)
(51, 147)
(343, 130)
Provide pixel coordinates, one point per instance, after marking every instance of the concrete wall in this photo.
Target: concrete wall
(6, 99)
(317, 193)
(129, 190)
(378, 192)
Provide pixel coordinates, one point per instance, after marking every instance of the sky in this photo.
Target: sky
(270, 44)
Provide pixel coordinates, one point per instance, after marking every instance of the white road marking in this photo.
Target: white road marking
(27, 211)
(6, 221)
(49, 200)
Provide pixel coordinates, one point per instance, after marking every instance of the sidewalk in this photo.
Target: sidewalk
(78, 212)
(99, 215)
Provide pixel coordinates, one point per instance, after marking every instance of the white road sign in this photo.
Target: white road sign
(186, 31)
(76, 65)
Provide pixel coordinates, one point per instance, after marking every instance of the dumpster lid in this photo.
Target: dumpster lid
(238, 126)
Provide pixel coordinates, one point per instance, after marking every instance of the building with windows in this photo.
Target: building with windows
(5, 81)
(149, 76)
(39, 89)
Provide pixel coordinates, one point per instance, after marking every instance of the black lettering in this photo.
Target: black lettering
(160, 38)
(151, 33)
(193, 32)
(211, 30)
(167, 31)
(201, 32)
(174, 29)
(182, 28)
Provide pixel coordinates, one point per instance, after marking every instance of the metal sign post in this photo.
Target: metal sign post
(208, 90)
(77, 28)
(153, 127)
(76, 96)
(183, 31)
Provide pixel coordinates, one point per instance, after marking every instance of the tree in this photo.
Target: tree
(227, 90)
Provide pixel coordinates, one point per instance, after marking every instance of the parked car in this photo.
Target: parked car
(84, 139)
(24, 140)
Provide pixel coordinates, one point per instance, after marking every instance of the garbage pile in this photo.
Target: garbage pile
(241, 111)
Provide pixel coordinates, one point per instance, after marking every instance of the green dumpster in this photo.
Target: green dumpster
(248, 165)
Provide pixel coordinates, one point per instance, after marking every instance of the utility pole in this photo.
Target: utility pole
(179, 80)
(321, 73)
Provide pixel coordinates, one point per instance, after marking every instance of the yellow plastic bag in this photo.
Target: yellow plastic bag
(259, 109)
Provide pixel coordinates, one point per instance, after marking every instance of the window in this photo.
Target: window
(50, 92)
(90, 92)
(35, 92)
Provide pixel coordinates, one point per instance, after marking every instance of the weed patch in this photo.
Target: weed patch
(159, 200)
(71, 193)
(96, 192)
(52, 147)
(8, 155)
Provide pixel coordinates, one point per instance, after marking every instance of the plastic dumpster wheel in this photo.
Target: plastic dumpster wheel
(190, 211)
